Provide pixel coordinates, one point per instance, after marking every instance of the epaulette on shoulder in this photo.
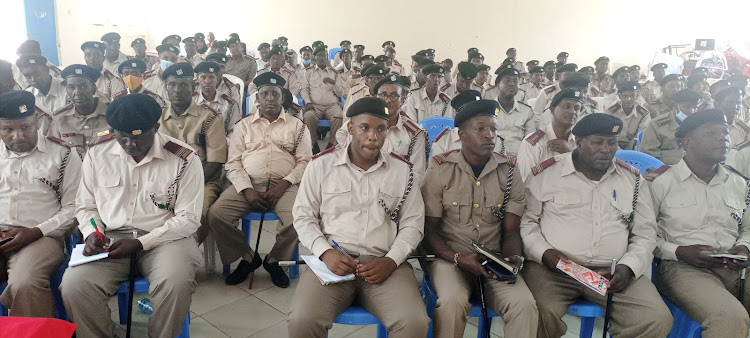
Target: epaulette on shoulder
(512, 160)
(178, 150)
(395, 62)
(742, 144)
(412, 127)
(211, 109)
(641, 110)
(228, 98)
(446, 99)
(594, 90)
(340, 70)
(742, 125)
(195, 93)
(535, 137)
(356, 69)
(627, 166)
(440, 159)
(441, 134)
(535, 170)
(109, 74)
(612, 91)
(615, 107)
(446, 86)
(550, 89)
(63, 109)
(651, 175)
(327, 151)
(101, 137)
(730, 168)
(662, 119)
(401, 158)
(120, 93)
(591, 101)
(54, 69)
(58, 141)
(415, 89)
(524, 104)
(149, 74)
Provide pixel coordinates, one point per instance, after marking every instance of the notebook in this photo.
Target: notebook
(324, 274)
(77, 257)
(495, 262)
(585, 276)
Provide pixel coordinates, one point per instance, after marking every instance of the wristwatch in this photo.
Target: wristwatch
(520, 258)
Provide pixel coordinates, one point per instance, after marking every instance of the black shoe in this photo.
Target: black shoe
(243, 270)
(278, 277)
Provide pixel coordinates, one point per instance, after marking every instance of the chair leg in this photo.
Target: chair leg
(294, 269)
(480, 327)
(587, 327)
(185, 327)
(382, 331)
(122, 305)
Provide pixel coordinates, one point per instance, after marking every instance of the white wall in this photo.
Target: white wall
(13, 26)
(629, 32)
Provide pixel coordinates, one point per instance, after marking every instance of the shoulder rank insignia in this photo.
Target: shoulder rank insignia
(58, 141)
(535, 137)
(109, 75)
(63, 109)
(641, 110)
(511, 160)
(440, 159)
(412, 127)
(178, 150)
(730, 168)
(441, 134)
(652, 174)
(615, 107)
(627, 166)
(327, 151)
(228, 98)
(535, 170)
(443, 88)
(120, 93)
(742, 144)
(446, 99)
(195, 93)
(550, 89)
(401, 158)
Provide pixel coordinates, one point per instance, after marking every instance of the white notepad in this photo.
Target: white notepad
(324, 274)
(77, 257)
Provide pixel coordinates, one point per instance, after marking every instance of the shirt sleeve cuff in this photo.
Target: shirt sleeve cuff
(397, 255)
(633, 263)
(239, 186)
(536, 253)
(515, 208)
(47, 227)
(148, 241)
(668, 251)
(291, 179)
(86, 231)
(319, 246)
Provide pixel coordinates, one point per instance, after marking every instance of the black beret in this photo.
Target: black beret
(264, 45)
(402, 81)
(372, 69)
(549, 63)
(635, 67)
(345, 51)
(598, 124)
(276, 50)
(282, 38)
(381, 58)
(509, 60)
(658, 66)
(305, 49)
(697, 119)
(167, 48)
(472, 50)
(532, 63)
(393, 44)
(586, 69)
(568, 67)
(180, 69)
(171, 37)
(738, 79)
(506, 69)
(318, 49)
(189, 39)
(92, 44)
(510, 50)
(568, 93)
(134, 64)
(422, 53)
(476, 55)
(629, 86)
(28, 60)
(700, 69)
(234, 35)
(317, 43)
(360, 47)
(417, 58)
(430, 51)
(17, 104)
(134, 113)
(483, 67)
(219, 44)
(233, 41)
(686, 96)
(81, 71)
(576, 80)
(217, 57)
(623, 69)
(432, 68)
(345, 42)
(565, 54)
(366, 57)
(669, 78)
(6, 69)
(720, 96)
(199, 36)
(288, 98)
(721, 83)
(536, 69)
(469, 103)
(467, 70)
(111, 37)
(601, 59)
(269, 79)
(29, 47)
(424, 62)
(368, 105)
(207, 67)
(137, 41)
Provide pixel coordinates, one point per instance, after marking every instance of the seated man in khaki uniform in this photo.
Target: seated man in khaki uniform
(240, 65)
(48, 90)
(534, 86)
(321, 88)
(199, 126)
(113, 56)
(700, 208)
(664, 104)
(374, 210)
(658, 137)
(139, 47)
(81, 123)
(207, 74)
(132, 73)
(429, 100)
(168, 55)
(268, 153)
(633, 115)
(107, 84)
(149, 186)
(730, 102)
(451, 223)
(515, 119)
(546, 95)
(602, 81)
(371, 75)
(570, 216)
(37, 193)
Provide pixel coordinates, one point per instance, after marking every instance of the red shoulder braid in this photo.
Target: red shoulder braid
(627, 166)
(401, 158)
(535, 170)
(327, 151)
(535, 137)
(63, 109)
(441, 134)
(58, 141)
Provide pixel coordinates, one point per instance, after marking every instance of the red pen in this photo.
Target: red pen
(101, 238)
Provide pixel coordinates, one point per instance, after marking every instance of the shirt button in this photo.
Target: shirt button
(455, 204)
(479, 183)
(86, 127)
(134, 184)
(476, 205)
(179, 126)
(131, 203)
(477, 225)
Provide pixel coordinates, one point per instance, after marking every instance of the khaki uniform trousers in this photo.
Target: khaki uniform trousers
(28, 293)
(638, 311)
(709, 296)
(396, 302)
(513, 302)
(211, 192)
(169, 269)
(333, 113)
(232, 242)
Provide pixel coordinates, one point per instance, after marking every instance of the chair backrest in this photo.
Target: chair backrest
(639, 138)
(434, 125)
(640, 160)
(301, 101)
(332, 52)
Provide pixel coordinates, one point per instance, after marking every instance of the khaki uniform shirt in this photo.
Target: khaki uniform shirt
(195, 59)
(544, 99)
(398, 69)
(25, 200)
(259, 150)
(659, 140)
(349, 75)
(604, 84)
(583, 219)
(739, 158)
(534, 149)
(590, 106)
(355, 93)
(154, 83)
(229, 108)
(160, 100)
(56, 97)
(314, 90)
(119, 193)
(149, 60)
(419, 106)
(467, 204)
(108, 85)
(631, 123)
(531, 90)
(80, 131)
(739, 132)
(112, 66)
(689, 211)
(287, 72)
(347, 209)
(481, 89)
(448, 140)
(229, 88)
(658, 108)
(651, 91)
(243, 68)
(514, 125)
(197, 119)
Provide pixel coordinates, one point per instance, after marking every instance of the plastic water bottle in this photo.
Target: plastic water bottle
(144, 304)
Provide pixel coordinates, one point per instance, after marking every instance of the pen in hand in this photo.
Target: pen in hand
(101, 238)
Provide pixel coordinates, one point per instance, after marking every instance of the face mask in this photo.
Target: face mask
(306, 62)
(284, 48)
(681, 116)
(165, 64)
(414, 74)
(133, 82)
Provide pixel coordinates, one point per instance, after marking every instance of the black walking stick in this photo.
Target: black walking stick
(485, 316)
(131, 291)
(257, 240)
(608, 309)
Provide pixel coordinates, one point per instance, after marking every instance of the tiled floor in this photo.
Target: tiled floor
(219, 310)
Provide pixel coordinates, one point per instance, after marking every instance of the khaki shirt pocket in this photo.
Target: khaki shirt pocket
(159, 191)
(493, 202)
(336, 198)
(733, 207)
(566, 203)
(457, 207)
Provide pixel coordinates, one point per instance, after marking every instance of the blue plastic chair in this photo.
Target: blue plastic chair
(332, 52)
(430, 297)
(588, 311)
(640, 160)
(639, 139)
(682, 325)
(324, 123)
(301, 101)
(356, 315)
(434, 125)
(247, 220)
(141, 285)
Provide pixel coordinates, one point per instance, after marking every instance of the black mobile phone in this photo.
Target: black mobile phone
(499, 270)
(200, 139)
